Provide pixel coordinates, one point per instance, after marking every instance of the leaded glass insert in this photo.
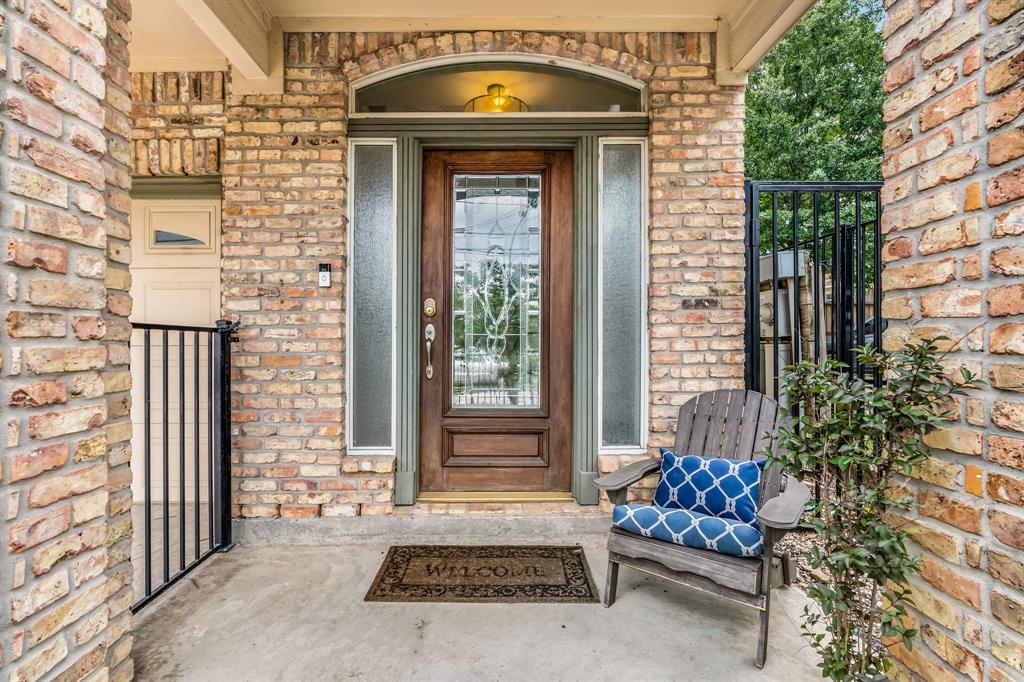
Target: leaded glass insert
(496, 287)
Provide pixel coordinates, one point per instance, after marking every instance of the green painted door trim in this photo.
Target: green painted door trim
(407, 386)
(500, 130)
(584, 436)
(413, 136)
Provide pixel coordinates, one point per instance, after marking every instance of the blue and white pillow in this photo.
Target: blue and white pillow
(691, 529)
(726, 488)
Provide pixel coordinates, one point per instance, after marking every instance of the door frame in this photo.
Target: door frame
(553, 413)
(582, 136)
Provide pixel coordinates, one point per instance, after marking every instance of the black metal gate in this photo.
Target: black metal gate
(813, 278)
(184, 434)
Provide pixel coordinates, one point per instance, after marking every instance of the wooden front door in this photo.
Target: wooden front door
(496, 314)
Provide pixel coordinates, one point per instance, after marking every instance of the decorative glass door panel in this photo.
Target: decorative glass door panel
(496, 291)
(496, 321)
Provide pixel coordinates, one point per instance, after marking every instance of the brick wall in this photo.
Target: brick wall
(954, 218)
(66, 580)
(177, 122)
(284, 210)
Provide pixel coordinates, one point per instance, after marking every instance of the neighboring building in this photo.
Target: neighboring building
(514, 302)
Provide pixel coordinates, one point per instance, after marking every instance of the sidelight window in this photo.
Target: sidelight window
(622, 336)
(371, 296)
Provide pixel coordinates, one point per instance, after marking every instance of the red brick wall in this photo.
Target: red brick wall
(284, 171)
(66, 531)
(954, 218)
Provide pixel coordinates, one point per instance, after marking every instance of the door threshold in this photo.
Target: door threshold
(503, 497)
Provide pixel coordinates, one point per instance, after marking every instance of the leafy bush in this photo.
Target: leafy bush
(855, 439)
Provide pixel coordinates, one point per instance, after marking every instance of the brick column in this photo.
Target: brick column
(64, 340)
(284, 182)
(696, 233)
(117, 377)
(954, 220)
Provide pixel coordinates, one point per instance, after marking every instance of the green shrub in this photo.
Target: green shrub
(855, 440)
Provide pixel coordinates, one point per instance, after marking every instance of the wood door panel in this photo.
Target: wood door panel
(491, 418)
(495, 447)
(476, 479)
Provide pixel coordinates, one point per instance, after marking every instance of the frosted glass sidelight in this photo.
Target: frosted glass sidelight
(372, 314)
(496, 290)
(622, 295)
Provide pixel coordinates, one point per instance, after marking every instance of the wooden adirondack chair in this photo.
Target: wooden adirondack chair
(731, 424)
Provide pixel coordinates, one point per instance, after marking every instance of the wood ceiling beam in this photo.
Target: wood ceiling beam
(497, 15)
(623, 23)
(240, 28)
(747, 34)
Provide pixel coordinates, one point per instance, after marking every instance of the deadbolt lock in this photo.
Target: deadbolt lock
(429, 307)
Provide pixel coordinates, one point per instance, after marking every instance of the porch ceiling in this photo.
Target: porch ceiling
(200, 34)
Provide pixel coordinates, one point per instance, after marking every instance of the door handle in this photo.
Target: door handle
(429, 336)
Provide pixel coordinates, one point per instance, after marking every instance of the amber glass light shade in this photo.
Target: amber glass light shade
(496, 101)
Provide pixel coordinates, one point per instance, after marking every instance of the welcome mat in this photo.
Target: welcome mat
(484, 573)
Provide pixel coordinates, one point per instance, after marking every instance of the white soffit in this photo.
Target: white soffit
(165, 39)
(468, 15)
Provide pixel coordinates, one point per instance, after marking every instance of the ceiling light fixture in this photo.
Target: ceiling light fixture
(496, 101)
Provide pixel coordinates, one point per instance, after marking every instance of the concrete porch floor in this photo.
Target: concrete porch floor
(279, 612)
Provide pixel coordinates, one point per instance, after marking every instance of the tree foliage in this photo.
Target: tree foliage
(814, 103)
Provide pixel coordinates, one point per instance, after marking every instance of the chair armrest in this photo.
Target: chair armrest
(627, 475)
(784, 510)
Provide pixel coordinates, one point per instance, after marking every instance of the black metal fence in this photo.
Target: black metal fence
(813, 279)
(181, 451)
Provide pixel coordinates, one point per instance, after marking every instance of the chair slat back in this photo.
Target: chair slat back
(732, 424)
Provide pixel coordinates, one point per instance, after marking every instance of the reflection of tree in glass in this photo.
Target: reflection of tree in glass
(496, 295)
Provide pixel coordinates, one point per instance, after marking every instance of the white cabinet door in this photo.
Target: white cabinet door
(175, 280)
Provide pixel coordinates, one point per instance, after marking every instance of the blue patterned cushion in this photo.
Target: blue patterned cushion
(726, 488)
(692, 529)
